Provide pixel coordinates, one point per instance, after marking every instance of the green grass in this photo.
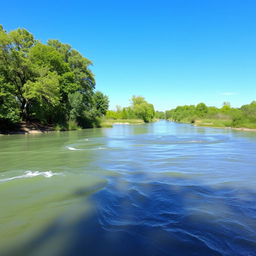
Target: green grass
(110, 122)
(214, 122)
(70, 126)
(225, 123)
(250, 125)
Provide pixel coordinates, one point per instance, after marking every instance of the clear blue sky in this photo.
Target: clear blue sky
(172, 52)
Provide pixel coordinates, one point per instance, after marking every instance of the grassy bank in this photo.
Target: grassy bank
(35, 127)
(226, 116)
(222, 123)
(111, 122)
(213, 122)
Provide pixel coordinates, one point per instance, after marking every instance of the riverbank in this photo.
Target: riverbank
(37, 128)
(220, 125)
(27, 128)
(217, 123)
(110, 122)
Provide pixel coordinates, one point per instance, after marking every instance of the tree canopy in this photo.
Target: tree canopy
(224, 116)
(139, 109)
(143, 109)
(48, 83)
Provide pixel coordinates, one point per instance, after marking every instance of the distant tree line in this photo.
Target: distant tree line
(48, 83)
(245, 116)
(139, 109)
(160, 115)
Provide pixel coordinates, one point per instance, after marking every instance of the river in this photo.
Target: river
(155, 189)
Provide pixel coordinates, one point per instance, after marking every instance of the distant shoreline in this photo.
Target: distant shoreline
(244, 129)
(35, 128)
(107, 123)
(209, 125)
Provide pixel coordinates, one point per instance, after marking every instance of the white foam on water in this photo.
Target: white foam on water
(76, 149)
(71, 148)
(31, 174)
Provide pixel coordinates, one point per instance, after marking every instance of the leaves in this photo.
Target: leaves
(45, 89)
(45, 82)
(101, 103)
(139, 109)
(143, 109)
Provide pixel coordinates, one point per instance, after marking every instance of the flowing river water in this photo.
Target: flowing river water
(153, 189)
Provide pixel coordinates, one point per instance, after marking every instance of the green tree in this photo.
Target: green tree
(201, 110)
(76, 105)
(9, 108)
(226, 107)
(249, 111)
(45, 82)
(160, 114)
(101, 103)
(143, 109)
(16, 68)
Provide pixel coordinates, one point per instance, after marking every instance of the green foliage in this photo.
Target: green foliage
(101, 103)
(59, 127)
(15, 66)
(46, 56)
(143, 109)
(76, 105)
(139, 109)
(160, 115)
(249, 111)
(72, 125)
(43, 90)
(111, 114)
(226, 116)
(201, 110)
(48, 83)
(182, 114)
(212, 111)
(9, 110)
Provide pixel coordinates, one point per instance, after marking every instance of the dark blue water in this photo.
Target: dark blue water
(172, 189)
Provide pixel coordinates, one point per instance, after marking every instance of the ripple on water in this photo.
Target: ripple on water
(173, 190)
(189, 218)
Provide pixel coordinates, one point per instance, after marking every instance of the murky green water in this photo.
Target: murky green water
(42, 178)
(162, 186)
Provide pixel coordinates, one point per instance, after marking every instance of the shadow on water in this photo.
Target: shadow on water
(155, 218)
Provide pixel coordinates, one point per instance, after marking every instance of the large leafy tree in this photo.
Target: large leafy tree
(101, 103)
(77, 83)
(142, 108)
(201, 109)
(16, 68)
(30, 78)
(45, 82)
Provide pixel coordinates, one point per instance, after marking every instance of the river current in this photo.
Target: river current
(155, 189)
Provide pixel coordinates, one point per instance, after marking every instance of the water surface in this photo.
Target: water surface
(154, 189)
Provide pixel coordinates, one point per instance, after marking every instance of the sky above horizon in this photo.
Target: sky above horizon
(172, 52)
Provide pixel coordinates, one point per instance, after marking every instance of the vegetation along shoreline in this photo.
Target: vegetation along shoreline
(50, 87)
